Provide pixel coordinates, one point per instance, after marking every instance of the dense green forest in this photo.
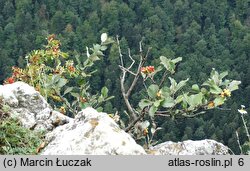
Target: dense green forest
(207, 34)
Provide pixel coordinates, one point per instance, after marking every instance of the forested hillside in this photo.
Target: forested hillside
(207, 34)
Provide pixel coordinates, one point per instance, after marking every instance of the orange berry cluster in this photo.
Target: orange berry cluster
(225, 93)
(148, 69)
(9, 80)
(71, 68)
(211, 105)
(16, 75)
(145, 132)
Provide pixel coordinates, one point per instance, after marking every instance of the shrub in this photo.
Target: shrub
(62, 81)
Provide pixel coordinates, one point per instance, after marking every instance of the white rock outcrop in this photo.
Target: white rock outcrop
(30, 107)
(90, 133)
(189, 147)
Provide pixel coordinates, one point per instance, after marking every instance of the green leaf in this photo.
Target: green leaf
(78, 59)
(144, 102)
(68, 89)
(64, 55)
(109, 98)
(203, 90)
(100, 99)
(88, 63)
(152, 111)
(168, 64)
(77, 95)
(195, 87)
(104, 92)
(197, 99)
(194, 100)
(96, 47)
(215, 77)
(74, 102)
(234, 85)
(181, 84)
(208, 83)
(94, 57)
(219, 101)
(55, 78)
(84, 105)
(108, 41)
(66, 101)
(179, 99)
(173, 85)
(157, 103)
(103, 48)
(152, 90)
(176, 60)
(184, 105)
(215, 89)
(99, 53)
(223, 74)
(62, 82)
(165, 91)
(168, 102)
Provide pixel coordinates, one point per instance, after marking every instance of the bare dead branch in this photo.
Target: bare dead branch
(122, 81)
(125, 70)
(140, 46)
(133, 61)
(245, 126)
(160, 114)
(125, 97)
(238, 141)
(121, 67)
(219, 108)
(192, 115)
(182, 115)
(142, 62)
(119, 48)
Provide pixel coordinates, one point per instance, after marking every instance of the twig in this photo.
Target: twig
(223, 108)
(163, 78)
(119, 48)
(245, 126)
(133, 61)
(160, 114)
(126, 69)
(193, 115)
(182, 115)
(238, 141)
(142, 62)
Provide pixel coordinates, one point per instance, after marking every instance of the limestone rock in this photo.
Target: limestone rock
(189, 147)
(30, 107)
(90, 133)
